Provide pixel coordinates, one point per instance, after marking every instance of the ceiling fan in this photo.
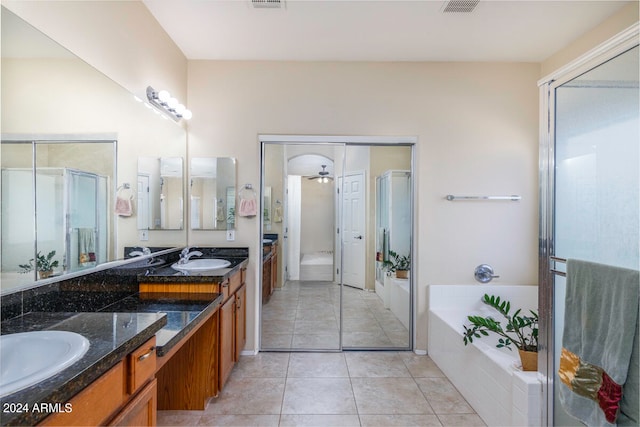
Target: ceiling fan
(322, 176)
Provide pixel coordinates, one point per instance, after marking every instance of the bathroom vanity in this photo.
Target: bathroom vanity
(159, 339)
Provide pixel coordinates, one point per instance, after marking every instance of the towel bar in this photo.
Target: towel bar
(451, 198)
(558, 259)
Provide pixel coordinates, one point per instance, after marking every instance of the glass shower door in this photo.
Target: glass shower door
(597, 191)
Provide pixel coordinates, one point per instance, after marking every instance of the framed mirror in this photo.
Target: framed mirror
(212, 193)
(160, 195)
(71, 129)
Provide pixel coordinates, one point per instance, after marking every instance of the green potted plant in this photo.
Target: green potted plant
(43, 264)
(400, 264)
(520, 330)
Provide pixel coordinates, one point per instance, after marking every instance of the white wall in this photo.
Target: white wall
(477, 127)
(318, 212)
(120, 38)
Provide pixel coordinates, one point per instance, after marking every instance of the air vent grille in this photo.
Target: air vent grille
(273, 4)
(460, 6)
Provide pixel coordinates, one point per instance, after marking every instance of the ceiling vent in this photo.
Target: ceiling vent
(460, 6)
(271, 4)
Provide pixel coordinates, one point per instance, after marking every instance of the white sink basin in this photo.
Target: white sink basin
(266, 241)
(202, 265)
(30, 357)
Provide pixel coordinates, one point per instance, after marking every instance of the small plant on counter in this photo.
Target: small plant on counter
(400, 264)
(43, 264)
(521, 331)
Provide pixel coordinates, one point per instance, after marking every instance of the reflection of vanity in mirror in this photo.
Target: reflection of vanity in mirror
(160, 194)
(69, 118)
(212, 193)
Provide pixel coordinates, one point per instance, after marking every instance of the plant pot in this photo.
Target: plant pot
(529, 360)
(45, 274)
(402, 274)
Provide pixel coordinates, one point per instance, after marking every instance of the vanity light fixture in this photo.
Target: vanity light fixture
(165, 102)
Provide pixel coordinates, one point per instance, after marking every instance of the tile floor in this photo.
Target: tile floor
(305, 315)
(332, 389)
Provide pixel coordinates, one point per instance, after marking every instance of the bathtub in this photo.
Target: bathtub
(399, 299)
(490, 379)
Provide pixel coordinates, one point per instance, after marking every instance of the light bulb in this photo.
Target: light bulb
(187, 115)
(320, 180)
(164, 96)
(172, 103)
(180, 109)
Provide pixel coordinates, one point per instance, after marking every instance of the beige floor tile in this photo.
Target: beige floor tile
(262, 365)
(443, 397)
(388, 396)
(376, 364)
(462, 420)
(256, 396)
(290, 420)
(318, 396)
(366, 340)
(239, 420)
(277, 340)
(317, 365)
(421, 366)
(399, 420)
(179, 418)
(325, 341)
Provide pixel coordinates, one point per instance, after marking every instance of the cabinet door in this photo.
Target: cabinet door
(141, 411)
(241, 321)
(227, 345)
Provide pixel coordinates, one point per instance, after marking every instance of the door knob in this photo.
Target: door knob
(358, 237)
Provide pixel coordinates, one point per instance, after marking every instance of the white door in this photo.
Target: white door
(353, 230)
(143, 202)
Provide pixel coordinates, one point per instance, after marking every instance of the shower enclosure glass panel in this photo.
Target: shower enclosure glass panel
(597, 191)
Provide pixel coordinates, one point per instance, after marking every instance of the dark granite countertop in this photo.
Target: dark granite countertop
(167, 274)
(111, 336)
(184, 313)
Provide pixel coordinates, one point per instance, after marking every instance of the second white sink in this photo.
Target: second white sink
(205, 264)
(30, 357)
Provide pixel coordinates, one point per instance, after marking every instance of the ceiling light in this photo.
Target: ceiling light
(166, 103)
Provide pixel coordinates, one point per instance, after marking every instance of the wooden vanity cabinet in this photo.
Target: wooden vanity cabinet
(123, 396)
(233, 326)
(269, 272)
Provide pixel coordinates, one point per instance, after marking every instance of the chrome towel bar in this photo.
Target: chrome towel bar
(558, 259)
(452, 198)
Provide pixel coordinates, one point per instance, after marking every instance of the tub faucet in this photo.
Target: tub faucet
(185, 255)
(484, 273)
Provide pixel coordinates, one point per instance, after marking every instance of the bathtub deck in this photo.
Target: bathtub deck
(488, 378)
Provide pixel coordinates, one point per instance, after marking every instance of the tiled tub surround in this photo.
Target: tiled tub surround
(488, 378)
(105, 307)
(111, 336)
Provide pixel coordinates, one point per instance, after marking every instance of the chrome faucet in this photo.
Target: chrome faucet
(143, 251)
(185, 255)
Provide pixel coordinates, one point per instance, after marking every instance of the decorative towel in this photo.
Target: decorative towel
(124, 206)
(601, 315)
(248, 207)
(86, 245)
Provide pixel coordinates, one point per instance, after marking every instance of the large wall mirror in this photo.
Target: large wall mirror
(71, 137)
(160, 193)
(212, 193)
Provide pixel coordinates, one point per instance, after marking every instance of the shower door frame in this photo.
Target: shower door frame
(611, 48)
(346, 141)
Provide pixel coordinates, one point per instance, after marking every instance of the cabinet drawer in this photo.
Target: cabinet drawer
(141, 365)
(96, 403)
(235, 282)
(179, 288)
